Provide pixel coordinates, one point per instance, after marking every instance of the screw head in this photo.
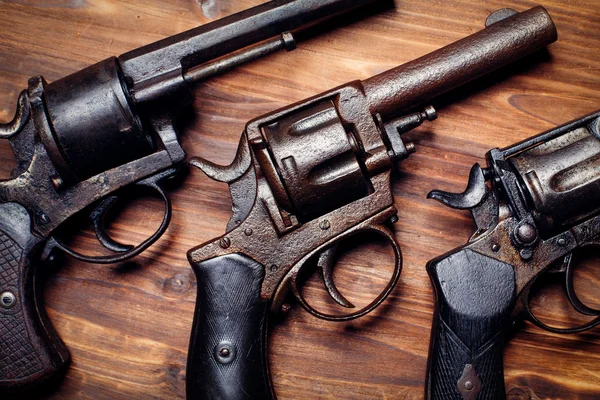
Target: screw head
(495, 247)
(468, 385)
(325, 224)
(274, 268)
(225, 242)
(225, 352)
(562, 242)
(248, 232)
(526, 233)
(526, 254)
(7, 300)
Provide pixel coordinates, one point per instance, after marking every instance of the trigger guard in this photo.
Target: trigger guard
(386, 233)
(572, 295)
(537, 322)
(153, 183)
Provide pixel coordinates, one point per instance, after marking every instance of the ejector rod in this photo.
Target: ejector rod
(499, 44)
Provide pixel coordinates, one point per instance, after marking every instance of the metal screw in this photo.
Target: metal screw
(526, 233)
(325, 224)
(7, 300)
(285, 308)
(274, 268)
(410, 147)
(495, 247)
(225, 242)
(225, 352)
(468, 385)
(394, 219)
(44, 218)
(562, 242)
(526, 254)
(248, 232)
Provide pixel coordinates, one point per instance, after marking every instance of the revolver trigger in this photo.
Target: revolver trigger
(326, 258)
(325, 264)
(152, 182)
(475, 193)
(97, 217)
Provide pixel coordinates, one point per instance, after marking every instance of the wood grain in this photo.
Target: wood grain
(128, 326)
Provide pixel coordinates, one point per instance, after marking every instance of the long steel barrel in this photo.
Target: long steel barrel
(499, 44)
(221, 37)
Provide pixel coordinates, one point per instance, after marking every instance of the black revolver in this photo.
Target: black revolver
(82, 138)
(534, 204)
(308, 176)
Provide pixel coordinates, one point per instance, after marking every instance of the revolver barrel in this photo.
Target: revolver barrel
(216, 39)
(507, 37)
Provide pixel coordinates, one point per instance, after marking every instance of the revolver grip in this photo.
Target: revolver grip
(227, 358)
(475, 295)
(31, 353)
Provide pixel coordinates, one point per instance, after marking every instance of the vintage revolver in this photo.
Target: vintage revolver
(540, 205)
(83, 137)
(306, 177)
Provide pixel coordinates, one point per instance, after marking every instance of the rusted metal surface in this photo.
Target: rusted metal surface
(509, 37)
(320, 171)
(82, 138)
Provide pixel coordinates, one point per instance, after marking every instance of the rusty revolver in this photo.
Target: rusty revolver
(83, 137)
(534, 204)
(306, 177)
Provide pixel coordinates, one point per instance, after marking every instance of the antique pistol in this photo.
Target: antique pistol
(83, 137)
(534, 204)
(308, 176)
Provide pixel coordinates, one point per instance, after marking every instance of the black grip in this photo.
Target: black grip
(227, 358)
(475, 295)
(31, 353)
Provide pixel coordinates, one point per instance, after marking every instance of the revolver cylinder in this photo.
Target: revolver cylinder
(314, 167)
(561, 179)
(93, 106)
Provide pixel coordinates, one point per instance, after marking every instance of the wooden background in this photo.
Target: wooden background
(128, 326)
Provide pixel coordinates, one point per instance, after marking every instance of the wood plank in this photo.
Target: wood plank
(128, 326)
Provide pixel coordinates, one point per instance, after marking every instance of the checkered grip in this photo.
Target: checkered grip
(18, 358)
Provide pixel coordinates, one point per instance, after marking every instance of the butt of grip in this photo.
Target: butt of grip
(227, 358)
(31, 353)
(475, 295)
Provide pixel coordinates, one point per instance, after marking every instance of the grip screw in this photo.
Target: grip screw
(225, 352)
(325, 224)
(7, 300)
(468, 385)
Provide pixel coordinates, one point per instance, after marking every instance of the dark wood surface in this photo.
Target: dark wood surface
(128, 326)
